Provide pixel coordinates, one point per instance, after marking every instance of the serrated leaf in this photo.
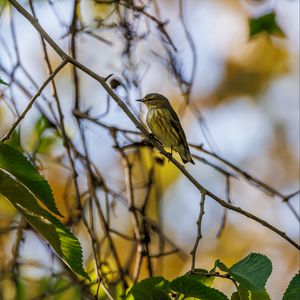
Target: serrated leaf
(199, 276)
(293, 290)
(60, 238)
(17, 165)
(252, 272)
(266, 23)
(3, 82)
(154, 288)
(190, 287)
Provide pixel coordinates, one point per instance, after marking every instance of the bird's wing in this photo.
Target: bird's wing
(175, 122)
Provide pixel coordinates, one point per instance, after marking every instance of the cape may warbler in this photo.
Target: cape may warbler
(165, 125)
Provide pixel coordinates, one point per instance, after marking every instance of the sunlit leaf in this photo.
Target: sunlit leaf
(60, 238)
(20, 289)
(18, 166)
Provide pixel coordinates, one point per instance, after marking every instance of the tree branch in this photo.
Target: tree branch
(135, 121)
(37, 94)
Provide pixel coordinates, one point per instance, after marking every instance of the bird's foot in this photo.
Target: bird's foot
(151, 135)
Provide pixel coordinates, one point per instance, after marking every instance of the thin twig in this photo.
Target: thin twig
(37, 94)
(225, 213)
(199, 231)
(126, 110)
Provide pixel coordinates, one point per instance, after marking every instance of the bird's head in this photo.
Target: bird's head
(155, 100)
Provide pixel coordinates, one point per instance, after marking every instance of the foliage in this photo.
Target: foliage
(189, 287)
(266, 23)
(293, 290)
(150, 289)
(15, 163)
(249, 274)
(66, 143)
(3, 82)
(21, 184)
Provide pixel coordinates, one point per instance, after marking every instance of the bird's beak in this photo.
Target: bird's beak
(140, 100)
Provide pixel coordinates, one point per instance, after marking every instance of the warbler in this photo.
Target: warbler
(165, 125)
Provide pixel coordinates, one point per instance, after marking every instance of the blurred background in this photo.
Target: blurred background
(237, 94)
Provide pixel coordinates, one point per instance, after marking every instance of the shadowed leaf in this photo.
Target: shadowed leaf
(190, 287)
(150, 289)
(253, 271)
(202, 278)
(293, 290)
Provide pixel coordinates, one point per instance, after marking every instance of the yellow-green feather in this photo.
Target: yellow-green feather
(165, 125)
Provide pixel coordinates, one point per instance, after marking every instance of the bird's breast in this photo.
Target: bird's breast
(159, 123)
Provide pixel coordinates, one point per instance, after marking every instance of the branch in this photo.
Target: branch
(252, 180)
(135, 121)
(199, 231)
(37, 94)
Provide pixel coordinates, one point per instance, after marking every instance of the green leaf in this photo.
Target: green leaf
(266, 23)
(60, 238)
(200, 276)
(293, 290)
(252, 272)
(154, 288)
(15, 140)
(259, 295)
(40, 126)
(20, 289)
(245, 294)
(3, 82)
(241, 294)
(46, 142)
(190, 287)
(18, 166)
(221, 266)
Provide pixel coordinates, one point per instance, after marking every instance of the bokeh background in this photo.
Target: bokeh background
(246, 89)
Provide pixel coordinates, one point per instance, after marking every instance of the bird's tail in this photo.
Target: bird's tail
(184, 154)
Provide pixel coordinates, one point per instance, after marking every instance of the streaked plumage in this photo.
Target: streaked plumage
(165, 125)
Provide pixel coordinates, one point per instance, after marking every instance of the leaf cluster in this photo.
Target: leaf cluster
(249, 276)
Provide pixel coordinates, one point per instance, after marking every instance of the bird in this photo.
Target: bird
(164, 123)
